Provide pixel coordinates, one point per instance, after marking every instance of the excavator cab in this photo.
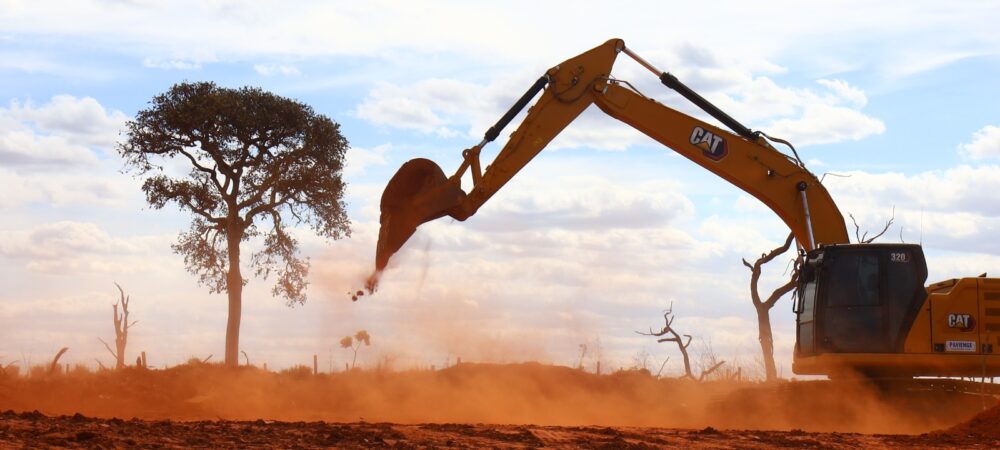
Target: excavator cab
(859, 298)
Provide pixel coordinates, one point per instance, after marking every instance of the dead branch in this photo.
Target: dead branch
(100, 364)
(658, 372)
(833, 174)
(676, 337)
(55, 361)
(863, 238)
(206, 359)
(113, 355)
(708, 371)
(755, 271)
(885, 228)
(247, 358)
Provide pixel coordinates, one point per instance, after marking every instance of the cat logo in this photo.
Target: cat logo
(713, 146)
(963, 322)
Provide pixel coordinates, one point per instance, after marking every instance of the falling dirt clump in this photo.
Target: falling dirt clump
(985, 424)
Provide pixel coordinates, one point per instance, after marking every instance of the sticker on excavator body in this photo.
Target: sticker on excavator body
(960, 346)
(713, 146)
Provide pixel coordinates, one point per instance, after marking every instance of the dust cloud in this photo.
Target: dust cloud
(527, 393)
(422, 315)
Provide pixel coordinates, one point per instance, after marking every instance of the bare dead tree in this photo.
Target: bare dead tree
(583, 353)
(763, 307)
(121, 328)
(682, 344)
(55, 361)
(864, 239)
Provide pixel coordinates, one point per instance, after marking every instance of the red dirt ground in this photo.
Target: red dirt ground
(511, 406)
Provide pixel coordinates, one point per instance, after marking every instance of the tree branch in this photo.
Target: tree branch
(113, 354)
(781, 291)
(203, 212)
(857, 229)
(710, 370)
(774, 253)
(863, 238)
(55, 360)
(885, 228)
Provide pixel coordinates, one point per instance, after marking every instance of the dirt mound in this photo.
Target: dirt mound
(985, 424)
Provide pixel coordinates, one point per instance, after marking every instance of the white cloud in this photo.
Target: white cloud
(21, 147)
(584, 202)
(914, 63)
(825, 124)
(268, 70)
(985, 144)
(235, 28)
(950, 209)
(58, 134)
(60, 239)
(82, 119)
(386, 105)
(825, 115)
(60, 189)
(359, 159)
(845, 92)
(68, 246)
(171, 64)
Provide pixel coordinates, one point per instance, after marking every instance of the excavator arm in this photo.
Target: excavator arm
(420, 192)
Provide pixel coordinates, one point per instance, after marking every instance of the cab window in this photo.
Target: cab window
(854, 281)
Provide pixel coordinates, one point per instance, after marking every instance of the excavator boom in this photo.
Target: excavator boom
(419, 192)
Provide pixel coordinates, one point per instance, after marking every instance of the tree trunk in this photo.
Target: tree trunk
(766, 341)
(120, 336)
(234, 287)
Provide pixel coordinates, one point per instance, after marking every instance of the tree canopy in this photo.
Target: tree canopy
(248, 165)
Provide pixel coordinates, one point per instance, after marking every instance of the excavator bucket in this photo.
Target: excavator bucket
(419, 192)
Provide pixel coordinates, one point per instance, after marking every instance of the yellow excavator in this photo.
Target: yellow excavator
(861, 307)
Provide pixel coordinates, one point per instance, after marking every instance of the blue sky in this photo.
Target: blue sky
(901, 96)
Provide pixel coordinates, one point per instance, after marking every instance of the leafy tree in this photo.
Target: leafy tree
(256, 163)
(361, 337)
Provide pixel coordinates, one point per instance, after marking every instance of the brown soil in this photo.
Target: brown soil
(985, 424)
(516, 405)
(35, 430)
